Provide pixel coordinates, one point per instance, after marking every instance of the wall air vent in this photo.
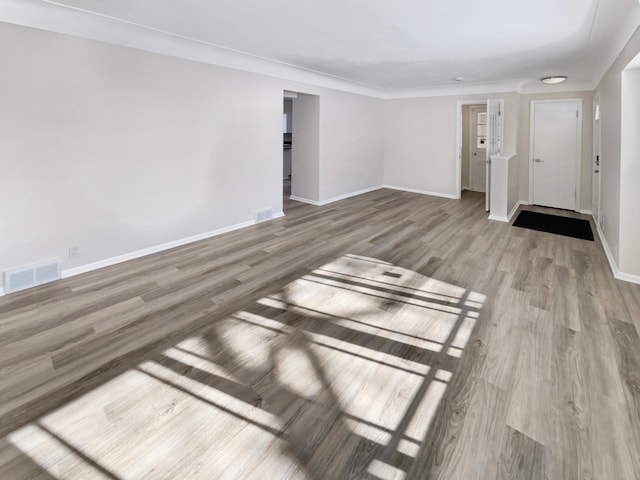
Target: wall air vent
(264, 215)
(30, 276)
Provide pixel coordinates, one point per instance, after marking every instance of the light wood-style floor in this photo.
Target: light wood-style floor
(387, 336)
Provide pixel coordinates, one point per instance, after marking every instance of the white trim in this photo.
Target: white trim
(304, 200)
(471, 146)
(596, 152)
(586, 212)
(107, 262)
(2, 294)
(617, 274)
(513, 211)
(627, 277)
(578, 159)
(515, 208)
(54, 17)
(423, 192)
(278, 215)
(348, 195)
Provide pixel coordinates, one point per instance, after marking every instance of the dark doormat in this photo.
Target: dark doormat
(543, 222)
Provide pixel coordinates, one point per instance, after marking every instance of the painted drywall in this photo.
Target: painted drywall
(305, 172)
(420, 140)
(115, 150)
(352, 154)
(610, 94)
(587, 142)
(629, 260)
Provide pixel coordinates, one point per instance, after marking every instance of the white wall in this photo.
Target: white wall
(420, 140)
(352, 154)
(115, 149)
(305, 169)
(629, 260)
(610, 94)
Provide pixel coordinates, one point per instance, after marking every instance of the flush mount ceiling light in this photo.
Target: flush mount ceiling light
(553, 80)
(458, 79)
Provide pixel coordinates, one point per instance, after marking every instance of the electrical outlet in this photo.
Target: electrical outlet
(74, 251)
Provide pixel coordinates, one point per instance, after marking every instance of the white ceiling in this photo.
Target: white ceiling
(394, 45)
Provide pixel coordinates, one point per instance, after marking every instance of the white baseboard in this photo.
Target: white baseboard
(423, 192)
(515, 208)
(304, 200)
(334, 199)
(586, 212)
(627, 277)
(278, 215)
(107, 262)
(349, 195)
(1, 292)
(507, 219)
(371, 189)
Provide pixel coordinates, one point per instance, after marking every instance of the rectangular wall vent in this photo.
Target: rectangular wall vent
(30, 276)
(264, 215)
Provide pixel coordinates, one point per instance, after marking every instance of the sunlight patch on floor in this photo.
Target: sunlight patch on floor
(356, 355)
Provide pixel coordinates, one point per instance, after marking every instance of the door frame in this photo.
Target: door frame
(597, 153)
(481, 101)
(577, 160)
(471, 167)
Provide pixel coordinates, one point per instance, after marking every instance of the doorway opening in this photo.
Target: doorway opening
(479, 136)
(301, 147)
(287, 139)
(474, 147)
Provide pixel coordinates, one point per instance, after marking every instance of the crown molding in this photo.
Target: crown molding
(453, 90)
(51, 16)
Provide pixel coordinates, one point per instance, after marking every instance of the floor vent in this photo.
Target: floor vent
(31, 276)
(264, 215)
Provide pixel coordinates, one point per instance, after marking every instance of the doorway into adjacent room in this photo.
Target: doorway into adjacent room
(287, 137)
(479, 135)
(474, 147)
(300, 149)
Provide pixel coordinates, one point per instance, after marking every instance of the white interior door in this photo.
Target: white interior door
(596, 161)
(555, 153)
(478, 148)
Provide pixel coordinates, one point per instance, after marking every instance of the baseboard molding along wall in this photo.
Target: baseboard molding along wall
(617, 274)
(513, 211)
(423, 192)
(71, 272)
(304, 200)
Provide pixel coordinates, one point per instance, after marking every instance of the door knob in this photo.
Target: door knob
(538, 160)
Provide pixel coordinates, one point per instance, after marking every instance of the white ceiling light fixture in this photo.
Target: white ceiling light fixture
(553, 80)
